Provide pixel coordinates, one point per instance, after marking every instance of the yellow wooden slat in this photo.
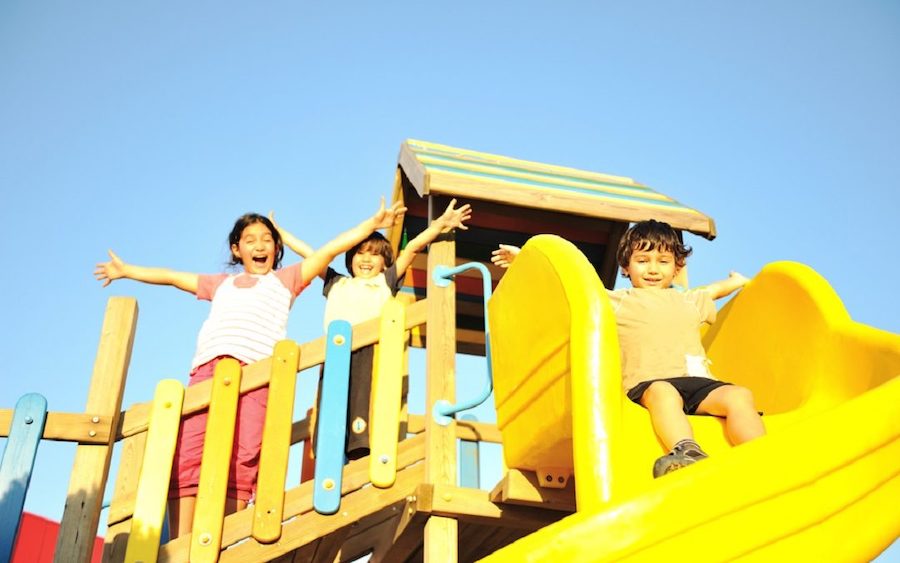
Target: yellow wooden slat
(387, 390)
(153, 484)
(269, 507)
(206, 537)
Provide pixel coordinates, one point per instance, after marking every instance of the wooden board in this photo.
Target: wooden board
(276, 444)
(153, 484)
(332, 427)
(387, 391)
(17, 464)
(214, 466)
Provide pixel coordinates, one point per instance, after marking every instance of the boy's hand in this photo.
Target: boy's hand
(454, 218)
(384, 218)
(504, 255)
(109, 271)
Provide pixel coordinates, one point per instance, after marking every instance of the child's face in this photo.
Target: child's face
(256, 249)
(366, 263)
(652, 268)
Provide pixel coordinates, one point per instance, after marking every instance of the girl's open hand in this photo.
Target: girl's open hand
(109, 271)
(504, 255)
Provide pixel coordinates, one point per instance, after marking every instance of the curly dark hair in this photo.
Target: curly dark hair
(244, 221)
(651, 235)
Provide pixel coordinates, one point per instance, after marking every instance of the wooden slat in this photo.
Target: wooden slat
(215, 462)
(473, 505)
(153, 483)
(123, 496)
(90, 470)
(465, 429)
(256, 375)
(521, 487)
(387, 395)
(408, 536)
(276, 443)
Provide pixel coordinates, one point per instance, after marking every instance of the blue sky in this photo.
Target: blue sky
(149, 128)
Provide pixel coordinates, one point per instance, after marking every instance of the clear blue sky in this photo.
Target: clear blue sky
(148, 128)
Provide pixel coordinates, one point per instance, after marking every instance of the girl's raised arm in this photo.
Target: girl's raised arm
(315, 264)
(116, 269)
(290, 241)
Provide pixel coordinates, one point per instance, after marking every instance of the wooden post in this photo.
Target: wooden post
(91, 467)
(441, 533)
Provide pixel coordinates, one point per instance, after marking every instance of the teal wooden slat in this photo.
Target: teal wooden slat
(25, 434)
(332, 425)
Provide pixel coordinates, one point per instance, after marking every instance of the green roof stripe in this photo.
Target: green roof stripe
(447, 156)
(664, 203)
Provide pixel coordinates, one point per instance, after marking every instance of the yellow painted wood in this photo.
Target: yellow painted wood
(153, 485)
(387, 390)
(206, 539)
(90, 469)
(273, 462)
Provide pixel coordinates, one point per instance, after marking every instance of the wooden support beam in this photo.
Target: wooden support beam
(440, 441)
(522, 488)
(465, 429)
(408, 535)
(474, 505)
(90, 470)
(80, 427)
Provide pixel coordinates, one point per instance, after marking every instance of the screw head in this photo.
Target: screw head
(28, 420)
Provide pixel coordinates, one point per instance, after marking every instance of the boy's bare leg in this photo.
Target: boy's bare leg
(735, 404)
(666, 409)
(181, 516)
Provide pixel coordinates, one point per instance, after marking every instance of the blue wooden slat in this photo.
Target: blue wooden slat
(25, 433)
(332, 426)
(469, 460)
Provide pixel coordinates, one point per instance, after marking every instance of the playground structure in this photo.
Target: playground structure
(577, 485)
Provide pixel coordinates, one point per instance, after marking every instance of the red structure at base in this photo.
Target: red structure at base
(36, 541)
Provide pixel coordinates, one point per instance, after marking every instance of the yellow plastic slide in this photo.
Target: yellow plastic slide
(824, 484)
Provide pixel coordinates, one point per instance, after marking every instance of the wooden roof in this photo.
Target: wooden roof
(443, 170)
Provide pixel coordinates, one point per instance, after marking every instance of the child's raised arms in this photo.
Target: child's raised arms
(450, 219)
(298, 246)
(504, 255)
(318, 261)
(116, 269)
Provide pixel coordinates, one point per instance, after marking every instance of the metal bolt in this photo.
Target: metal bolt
(338, 340)
(226, 381)
(167, 404)
(205, 539)
(383, 459)
(95, 419)
(28, 420)
(92, 433)
(447, 497)
(328, 484)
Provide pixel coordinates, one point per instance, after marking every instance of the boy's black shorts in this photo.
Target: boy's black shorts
(692, 390)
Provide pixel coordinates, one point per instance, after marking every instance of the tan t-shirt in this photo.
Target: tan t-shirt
(659, 333)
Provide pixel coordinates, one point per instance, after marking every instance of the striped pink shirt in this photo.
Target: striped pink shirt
(248, 315)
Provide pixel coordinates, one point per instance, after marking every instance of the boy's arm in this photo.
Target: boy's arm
(116, 269)
(732, 283)
(290, 241)
(450, 219)
(318, 262)
(504, 255)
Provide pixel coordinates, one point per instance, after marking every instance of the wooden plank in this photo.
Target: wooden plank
(90, 469)
(472, 505)
(153, 484)
(67, 427)
(298, 500)
(609, 269)
(17, 464)
(216, 462)
(440, 359)
(408, 536)
(387, 395)
(125, 490)
(256, 375)
(472, 539)
(373, 535)
(469, 459)
(312, 525)
(116, 542)
(522, 488)
(330, 546)
(332, 427)
(276, 444)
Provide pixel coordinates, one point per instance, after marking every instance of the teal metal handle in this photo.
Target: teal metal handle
(443, 410)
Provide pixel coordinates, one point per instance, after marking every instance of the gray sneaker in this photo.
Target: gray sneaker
(670, 462)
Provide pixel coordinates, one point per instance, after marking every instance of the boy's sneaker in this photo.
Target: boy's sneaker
(685, 452)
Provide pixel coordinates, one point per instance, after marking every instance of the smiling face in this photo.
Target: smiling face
(367, 262)
(652, 268)
(256, 249)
